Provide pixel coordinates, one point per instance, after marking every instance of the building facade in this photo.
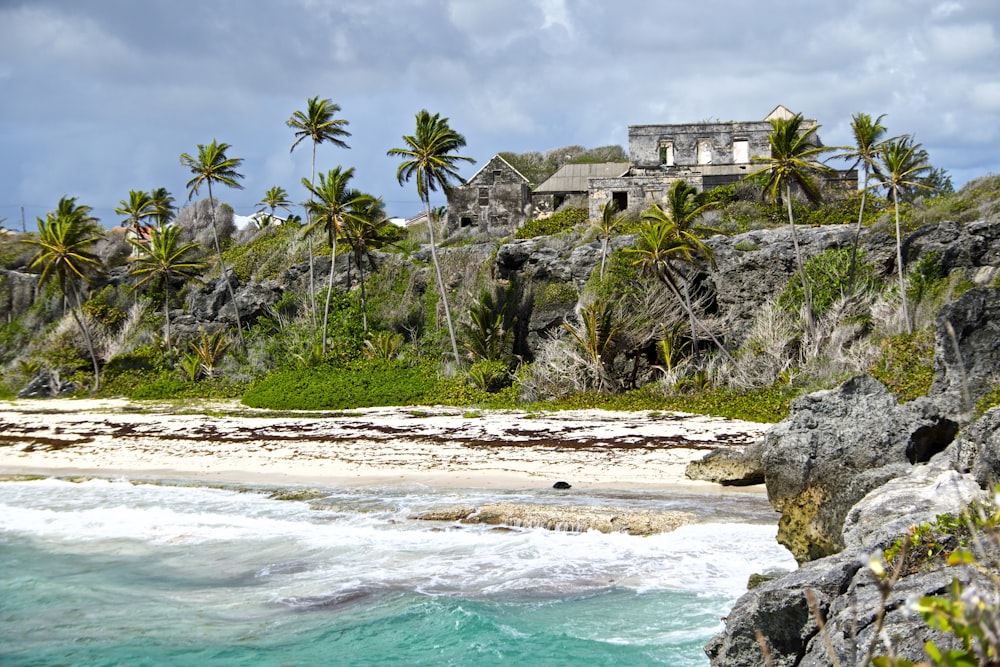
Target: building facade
(494, 201)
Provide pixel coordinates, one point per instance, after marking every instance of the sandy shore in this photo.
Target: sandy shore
(441, 447)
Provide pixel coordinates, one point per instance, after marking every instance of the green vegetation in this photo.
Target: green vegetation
(560, 221)
(906, 365)
(828, 274)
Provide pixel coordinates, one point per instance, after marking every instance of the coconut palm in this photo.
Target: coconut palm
(366, 229)
(213, 165)
(275, 198)
(331, 202)
(428, 158)
(163, 205)
(793, 161)
(137, 208)
(868, 141)
(903, 164)
(666, 250)
(317, 124)
(65, 239)
(163, 257)
(608, 223)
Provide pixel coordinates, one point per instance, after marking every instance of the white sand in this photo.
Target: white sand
(440, 447)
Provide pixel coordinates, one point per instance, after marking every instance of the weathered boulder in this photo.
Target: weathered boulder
(974, 247)
(727, 466)
(967, 338)
(835, 447)
(47, 385)
(977, 450)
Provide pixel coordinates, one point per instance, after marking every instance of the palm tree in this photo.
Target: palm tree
(64, 241)
(793, 161)
(367, 228)
(428, 158)
(609, 222)
(868, 141)
(903, 164)
(318, 124)
(213, 165)
(275, 198)
(163, 257)
(138, 207)
(330, 203)
(163, 205)
(661, 248)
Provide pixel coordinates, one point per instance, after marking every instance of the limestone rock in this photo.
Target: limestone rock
(727, 466)
(834, 448)
(971, 370)
(977, 450)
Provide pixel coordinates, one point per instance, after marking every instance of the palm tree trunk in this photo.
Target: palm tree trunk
(364, 300)
(440, 282)
(690, 309)
(669, 282)
(857, 234)
(806, 297)
(329, 287)
(899, 264)
(77, 312)
(604, 254)
(312, 286)
(222, 266)
(166, 309)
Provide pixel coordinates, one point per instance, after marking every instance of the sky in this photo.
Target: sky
(100, 97)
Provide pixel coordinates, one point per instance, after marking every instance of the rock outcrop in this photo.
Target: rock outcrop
(967, 341)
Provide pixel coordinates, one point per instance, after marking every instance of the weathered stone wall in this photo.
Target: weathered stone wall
(494, 200)
(644, 142)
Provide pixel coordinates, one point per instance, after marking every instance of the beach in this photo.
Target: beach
(439, 447)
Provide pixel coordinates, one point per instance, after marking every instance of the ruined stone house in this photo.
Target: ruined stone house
(570, 185)
(494, 201)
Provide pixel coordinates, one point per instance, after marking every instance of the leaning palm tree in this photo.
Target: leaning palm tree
(793, 161)
(275, 198)
(65, 239)
(163, 258)
(330, 203)
(608, 223)
(428, 158)
(213, 165)
(868, 143)
(317, 124)
(137, 208)
(903, 164)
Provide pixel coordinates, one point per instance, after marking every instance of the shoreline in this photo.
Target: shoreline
(444, 448)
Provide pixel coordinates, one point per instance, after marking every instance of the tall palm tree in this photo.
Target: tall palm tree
(275, 198)
(213, 165)
(794, 161)
(163, 257)
(664, 248)
(65, 238)
(868, 141)
(366, 229)
(428, 158)
(903, 164)
(137, 208)
(163, 206)
(331, 202)
(609, 221)
(317, 124)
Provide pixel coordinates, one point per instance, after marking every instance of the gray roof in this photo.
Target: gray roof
(576, 177)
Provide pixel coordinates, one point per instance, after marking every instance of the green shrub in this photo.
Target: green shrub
(827, 274)
(490, 375)
(554, 294)
(362, 383)
(560, 221)
(906, 365)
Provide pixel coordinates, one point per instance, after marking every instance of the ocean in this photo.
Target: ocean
(110, 572)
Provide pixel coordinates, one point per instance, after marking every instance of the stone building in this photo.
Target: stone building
(570, 185)
(494, 201)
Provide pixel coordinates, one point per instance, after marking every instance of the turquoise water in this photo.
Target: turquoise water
(111, 573)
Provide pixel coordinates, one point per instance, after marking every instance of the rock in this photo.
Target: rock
(727, 466)
(973, 247)
(579, 519)
(562, 485)
(447, 513)
(972, 369)
(834, 448)
(47, 385)
(977, 450)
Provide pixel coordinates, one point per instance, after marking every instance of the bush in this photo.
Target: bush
(362, 383)
(560, 221)
(906, 365)
(827, 274)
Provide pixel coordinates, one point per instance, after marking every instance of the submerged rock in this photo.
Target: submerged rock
(727, 466)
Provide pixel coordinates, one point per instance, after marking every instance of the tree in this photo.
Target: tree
(213, 165)
(428, 159)
(793, 161)
(868, 141)
(903, 164)
(663, 248)
(138, 207)
(318, 124)
(275, 198)
(609, 222)
(330, 203)
(65, 238)
(367, 228)
(163, 205)
(163, 257)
